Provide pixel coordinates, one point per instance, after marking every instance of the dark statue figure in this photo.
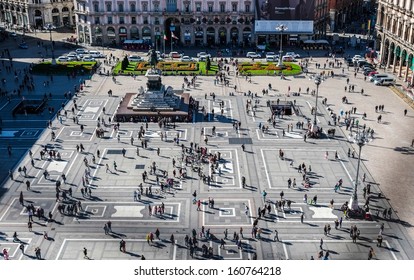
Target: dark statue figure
(153, 58)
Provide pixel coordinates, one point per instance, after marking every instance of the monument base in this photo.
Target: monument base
(184, 114)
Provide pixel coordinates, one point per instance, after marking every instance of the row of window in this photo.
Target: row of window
(47, 1)
(132, 7)
(145, 20)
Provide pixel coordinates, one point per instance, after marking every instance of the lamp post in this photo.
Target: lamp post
(51, 41)
(281, 28)
(172, 29)
(317, 81)
(361, 137)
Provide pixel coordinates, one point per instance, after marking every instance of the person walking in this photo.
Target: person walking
(222, 242)
(106, 229)
(321, 244)
(371, 253)
(379, 240)
(122, 245)
(85, 253)
(246, 209)
(276, 237)
(21, 247)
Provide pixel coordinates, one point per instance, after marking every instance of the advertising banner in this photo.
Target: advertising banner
(285, 9)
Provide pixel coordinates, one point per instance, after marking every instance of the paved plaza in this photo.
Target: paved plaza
(112, 179)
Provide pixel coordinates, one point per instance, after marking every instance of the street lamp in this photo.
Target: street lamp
(51, 41)
(281, 28)
(172, 29)
(360, 138)
(317, 81)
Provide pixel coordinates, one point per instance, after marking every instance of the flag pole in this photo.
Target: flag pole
(163, 40)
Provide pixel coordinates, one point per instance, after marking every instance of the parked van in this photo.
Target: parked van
(384, 81)
(378, 76)
(96, 54)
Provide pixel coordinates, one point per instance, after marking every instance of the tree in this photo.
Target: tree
(124, 63)
(208, 63)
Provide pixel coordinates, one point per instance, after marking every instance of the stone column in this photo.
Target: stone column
(389, 56)
(228, 35)
(205, 36)
(400, 66)
(407, 69)
(412, 78)
(394, 62)
(382, 49)
(240, 39)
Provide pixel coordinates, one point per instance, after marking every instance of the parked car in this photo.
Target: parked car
(253, 55)
(96, 54)
(378, 76)
(362, 62)
(186, 59)
(175, 55)
(292, 54)
(81, 51)
(367, 65)
(72, 57)
(272, 58)
(388, 81)
(88, 58)
(356, 58)
(62, 59)
(369, 74)
(288, 58)
(135, 58)
(203, 54)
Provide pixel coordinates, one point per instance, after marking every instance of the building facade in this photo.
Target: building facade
(193, 22)
(342, 13)
(395, 36)
(29, 14)
(303, 19)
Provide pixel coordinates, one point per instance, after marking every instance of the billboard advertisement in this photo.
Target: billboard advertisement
(285, 9)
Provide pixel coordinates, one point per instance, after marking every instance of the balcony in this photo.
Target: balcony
(81, 12)
(171, 12)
